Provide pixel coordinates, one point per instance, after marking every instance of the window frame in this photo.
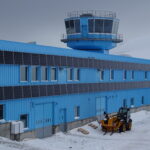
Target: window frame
(111, 74)
(101, 74)
(124, 74)
(132, 75)
(27, 74)
(71, 74)
(76, 74)
(76, 112)
(26, 124)
(132, 102)
(124, 102)
(45, 74)
(37, 73)
(2, 110)
(145, 75)
(56, 74)
(142, 100)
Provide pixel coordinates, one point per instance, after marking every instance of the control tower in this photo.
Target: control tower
(92, 31)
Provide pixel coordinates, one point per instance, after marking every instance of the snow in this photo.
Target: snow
(136, 139)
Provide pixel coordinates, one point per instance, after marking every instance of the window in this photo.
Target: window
(34, 73)
(91, 25)
(108, 26)
(101, 73)
(132, 102)
(76, 74)
(77, 26)
(24, 73)
(1, 112)
(24, 119)
(124, 103)
(69, 74)
(115, 27)
(44, 71)
(72, 26)
(53, 74)
(132, 75)
(146, 75)
(111, 74)
(99, 25)
(142, 100)
(125, 75)
(77, 112)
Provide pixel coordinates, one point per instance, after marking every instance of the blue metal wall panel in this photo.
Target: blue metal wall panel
(41, 109)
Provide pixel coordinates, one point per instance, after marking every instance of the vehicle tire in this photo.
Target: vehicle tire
(122, 128)
(129, 125)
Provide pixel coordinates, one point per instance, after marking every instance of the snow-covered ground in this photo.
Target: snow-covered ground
(136, 139)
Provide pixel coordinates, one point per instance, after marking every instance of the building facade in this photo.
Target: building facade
(51, 89)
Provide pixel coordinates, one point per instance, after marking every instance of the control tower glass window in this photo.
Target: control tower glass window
(100, 26)
(108, 26)
(115, 27)
(91, 25)
(72, 26)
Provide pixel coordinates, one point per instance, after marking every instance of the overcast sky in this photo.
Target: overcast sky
(43, 20)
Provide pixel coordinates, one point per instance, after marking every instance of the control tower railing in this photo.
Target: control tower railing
(116, 38)
(92, 13)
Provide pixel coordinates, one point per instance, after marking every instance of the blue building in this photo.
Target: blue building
(52, 89)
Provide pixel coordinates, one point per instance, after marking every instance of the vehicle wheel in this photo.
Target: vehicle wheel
(122, 128)
(129, 125)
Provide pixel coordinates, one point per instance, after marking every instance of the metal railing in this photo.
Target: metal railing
(101, 37)
(94, 13)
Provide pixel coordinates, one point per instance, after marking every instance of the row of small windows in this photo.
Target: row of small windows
(101, 75)
(42, 73)
(102, 26)
(132, 102)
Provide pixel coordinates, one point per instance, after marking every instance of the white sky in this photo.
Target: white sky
(42, 20)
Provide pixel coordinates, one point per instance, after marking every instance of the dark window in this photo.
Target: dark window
(142, 100)
(99, 25)
(146, 75)
(101, 73)
(132, 101)
(124, 103)
(76, 74)
(72, 26)
(35, 73)
(23, 73)
(53, 74)
(77, 26)
(44, 71)
(67, 24)
(132, 75)
(69, 74)
(108, 26)
(77, 111)
(125, 75)
(24, 119)
(111, 74)
(91, 25)
(1, 112)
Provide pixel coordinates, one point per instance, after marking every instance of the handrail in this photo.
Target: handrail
(102, 36)
(93, 13)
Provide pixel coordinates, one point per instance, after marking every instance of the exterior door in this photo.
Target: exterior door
(100, 106)
(43, 120)
(63, 120)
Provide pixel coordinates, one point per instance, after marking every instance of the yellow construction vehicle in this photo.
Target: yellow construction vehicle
(119, 122)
